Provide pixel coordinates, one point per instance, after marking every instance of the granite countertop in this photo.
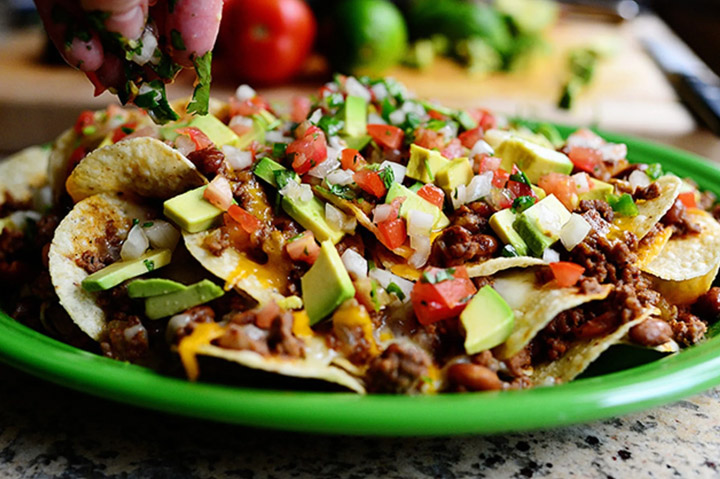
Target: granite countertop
(49, 431)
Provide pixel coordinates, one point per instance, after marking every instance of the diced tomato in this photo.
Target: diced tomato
(500, 178)
(436, 115)
(308, 151)
(248, 107)
(303, 248)
(392, 233)
(351, 159)
(566, 273)
(197, 136)
(688, 199)
(300, 108)
(386, 135)
(485, 119)
(520, 189)
(123, 130)
(489, 163)
(219, 193)
(562, 186)
(432, 194)
(244, 218)
(370, 182)
(585, 159)
(470, 137)
(435, 301)
(76, 156)
(430, 139)
(452, 150)
(84, 120)
(305, 128)
(95, 80)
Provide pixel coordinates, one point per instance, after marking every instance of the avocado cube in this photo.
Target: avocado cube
(120, 271)
(217, 131)
(326, 285)
(356, 112)
(598, 190)
(413, 201)
(424, 164)
(144, 288)
(458, 172)
(265, 169)
(502, 224)
(539, 226)
(191, 211)
(164, 305)
(534, 160)
(311, 216)
(495, 137)
(487, 320)
(539, 192)
(357, 142)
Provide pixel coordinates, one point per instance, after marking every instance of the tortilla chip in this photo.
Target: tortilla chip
(141, 166)
(651, 251)
(23, 173)
(262, 282)
(651, 211)
(83, 229)
(495, 265)
(535, 307)
(581, 354)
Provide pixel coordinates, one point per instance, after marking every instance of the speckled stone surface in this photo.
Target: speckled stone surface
(48, 431)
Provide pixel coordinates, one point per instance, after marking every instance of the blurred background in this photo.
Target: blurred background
(644, 67)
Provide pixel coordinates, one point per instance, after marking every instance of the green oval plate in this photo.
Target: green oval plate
(668, 379)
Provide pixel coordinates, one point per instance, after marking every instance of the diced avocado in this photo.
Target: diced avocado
(598, 190)
(326, 285)
(218, 132)
(191, 211)
(164, 305)
(413, 201)
(357, 142)
(356, 112)
(502, 224)
(495, 137)
(539, 226)
(119, 271)
(539, 192)
(144, 288)
(458, 172)
(265, 169)
(424, 164)
(487, 319)
(534, 160)
(311, 215)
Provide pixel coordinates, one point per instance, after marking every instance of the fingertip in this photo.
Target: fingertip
(87, 56)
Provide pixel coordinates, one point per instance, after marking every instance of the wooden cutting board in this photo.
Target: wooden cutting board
(629, 93)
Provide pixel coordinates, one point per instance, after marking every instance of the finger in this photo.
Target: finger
(127, 17)
(112, 72)
(80, 47)
(191, 27)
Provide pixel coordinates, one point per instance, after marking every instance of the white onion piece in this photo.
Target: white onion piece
(421, 247)
(384, 278)
(450, 130)
(297, 192)
(581, 181)
(398, 170)
(240, 120)
(550, 256)
(613, 151)
(275, 136)
(148, 43)
(245, 92)
(397, 117)
(355, 88)
(413, 107)
(315, 117)
(574, 231)
(419, 223)
(162, 234)
(133, 331)
(458, 196)
(481, 147)
(238, 159)
(324, 168)
(380, 91)
(375, 119)
(135, 244)
(176, 323)
(638, 178)
(479, 186)
(339, 220)
(355, 264)
(548, 219)
(584, 139)
(184, 145)
(382, 212)
(340, 177)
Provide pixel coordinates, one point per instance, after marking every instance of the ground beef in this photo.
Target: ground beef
(650, 236)
(601, 207)
(687, 328)
(217, 241)
(678, 219)
(182, 325)
(707, 306)
(208, 161)
(108, 250)
(473, 217)
(354, 242)
(244, 332)
(281, 339)
(15, 258)
(398, 370)
(244, 337)
(456, 246)
(251, 196)
(649, 192)
(125, 338)
(605, 260)
(651, 332)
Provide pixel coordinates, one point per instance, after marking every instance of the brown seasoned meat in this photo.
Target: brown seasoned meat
(602, 207)
(473, 217)
(354, 242)
(217, 241)
(125, 339)
(398, 370)
(281, 339)
(687, 328)
(14, 260)
(251, 196)
(207, 160)
(708, 305)
(649, 192)
(456, 246)
(651, 332)
(246, 337)
(108, 251)
(184, 324)
(473, 377)
(678, 219)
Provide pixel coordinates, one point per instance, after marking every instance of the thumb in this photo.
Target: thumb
(128, 18)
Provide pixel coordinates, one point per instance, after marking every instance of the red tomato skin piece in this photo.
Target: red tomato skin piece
(370, 182)
(688, 199)
(392, 233)
(386, 135)
(432, 194)
(566, 273)
(351, 159)
(244, 218)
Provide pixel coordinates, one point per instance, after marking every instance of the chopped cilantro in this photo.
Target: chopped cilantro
(520, 177)
(435, 124)
(395, 289)
(371, 265)
(278, 150)
(426, 162)
(166, 68)
(654, 171)
(149, 264)
(135, 221)
(335, 100)
(201, 96)
(522, 203)
(440, 276)
(343, 191)
(387, 175)
(330, 125)
(386, 108)
(127, 130)
(283, 177)
(147, 224)
(509, 251)
(156, 103)
(176, 40)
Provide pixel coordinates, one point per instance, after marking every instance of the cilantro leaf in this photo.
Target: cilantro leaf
(395, 289)
(387, 175)
(176, 40)
(201, 96)
(343, 191)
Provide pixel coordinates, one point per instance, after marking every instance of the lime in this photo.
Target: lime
(368, 36)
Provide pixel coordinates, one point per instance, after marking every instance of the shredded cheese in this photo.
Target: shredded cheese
(268, 275)
(189, 345)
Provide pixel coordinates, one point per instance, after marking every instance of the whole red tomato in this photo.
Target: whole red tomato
(267, 41)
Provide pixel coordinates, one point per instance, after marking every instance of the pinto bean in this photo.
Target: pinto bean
(651, 332)
(473, 377)
(708, 305)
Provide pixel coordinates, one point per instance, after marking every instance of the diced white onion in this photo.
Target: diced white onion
(176, 323)
(135, 244)
(238, 159)
(380, 91)
(479, 186)
(550, 256)
(413, 107)
(584, 139)
(133, 331)
(297, 192)
(397, 117)
(275, 136)
(239, 120)
(398, 170)
(324, 168)
(355, 88)
(375, 119)
(574, 231)
(382, 212)
(355, 264)
(384, 278)
(245, 92)
(315, 117)
(481, 147)
(421, 248)
(337, 143)
(339, 220)
(147, 51)
(20, 218)
(548, 219)
(638, 178)
(145, 88)
(450, 130)
(162, 234)
(458, 196)
(184, 144)
(581, 181)
(419, 223)
(614, 151)
(340, 177)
